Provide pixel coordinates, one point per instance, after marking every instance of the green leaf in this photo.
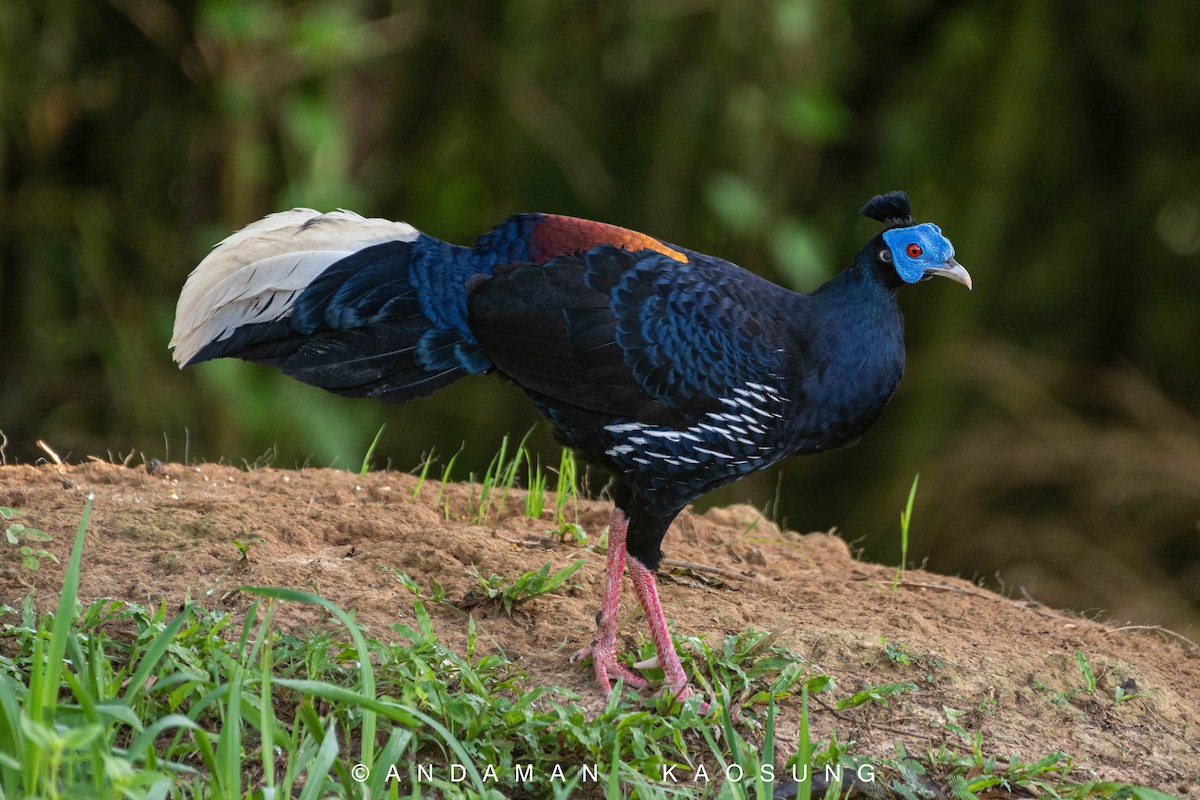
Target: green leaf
(1085, 668)
(877, 694)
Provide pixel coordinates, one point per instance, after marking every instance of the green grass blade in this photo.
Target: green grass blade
(731, 737)
(366, 462)
(905, 521)
(143, 744)
(491, 479)
(318, 770)
(768, 748)
(391, 753)
(64, 616)
(614, 772)
(804, 754)
(445, 480)
(535, 495)
(423, 474)
(204, 747)
(366, 675)
(229, 746)
(564, 489)
(31, 764)
(1085, 669)
(11, 741)
(152, 655)
(266, 712)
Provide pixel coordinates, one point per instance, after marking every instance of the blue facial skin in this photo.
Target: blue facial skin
(935, 250)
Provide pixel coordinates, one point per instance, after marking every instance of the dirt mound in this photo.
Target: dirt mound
(1008, 666)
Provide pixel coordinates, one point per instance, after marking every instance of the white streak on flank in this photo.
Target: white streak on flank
(762, 387)
(726, 401)
(753, 423)
(639, 440)
(672, 436)
(255, 274)
(736, 429)
(624, 427)
(744, 393)
(641, 461)
(745, 441)
(670, 459)
(620, 450)
(714, 453)
(713, 429)
(770, 391)
(687, 460)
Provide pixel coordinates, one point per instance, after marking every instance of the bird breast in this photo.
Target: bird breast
(853, 372)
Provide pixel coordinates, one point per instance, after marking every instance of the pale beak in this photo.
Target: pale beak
(952, 270)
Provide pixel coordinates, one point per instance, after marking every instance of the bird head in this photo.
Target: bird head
(916, 251)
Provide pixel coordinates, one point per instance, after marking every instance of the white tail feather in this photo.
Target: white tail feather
(255, 274)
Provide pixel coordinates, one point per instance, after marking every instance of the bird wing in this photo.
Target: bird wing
(638, 334)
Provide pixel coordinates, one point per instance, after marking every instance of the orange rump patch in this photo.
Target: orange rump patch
(556, 235)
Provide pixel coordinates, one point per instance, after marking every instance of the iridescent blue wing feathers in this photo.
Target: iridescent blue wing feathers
(633, 334)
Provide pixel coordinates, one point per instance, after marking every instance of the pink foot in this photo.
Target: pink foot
(674, 678)
(604, 649)
(605, 663)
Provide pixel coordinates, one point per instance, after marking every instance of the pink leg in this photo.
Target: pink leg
(674, 679)
(604, 649)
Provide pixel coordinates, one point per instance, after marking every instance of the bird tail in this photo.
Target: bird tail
(361, 307)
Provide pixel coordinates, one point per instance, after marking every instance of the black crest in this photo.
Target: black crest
(892, 209)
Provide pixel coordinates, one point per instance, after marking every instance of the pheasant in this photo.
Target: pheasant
(677, 371)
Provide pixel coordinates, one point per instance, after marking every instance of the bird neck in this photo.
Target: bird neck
(862, 280)
(855, 307)
(854, 334)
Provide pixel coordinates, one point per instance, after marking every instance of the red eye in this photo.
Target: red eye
(914, 250)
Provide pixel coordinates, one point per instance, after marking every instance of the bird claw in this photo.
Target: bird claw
(632, 679)
(604, 666)
(582, 654)
(603, 663)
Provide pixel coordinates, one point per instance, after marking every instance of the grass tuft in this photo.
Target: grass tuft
(524, 588)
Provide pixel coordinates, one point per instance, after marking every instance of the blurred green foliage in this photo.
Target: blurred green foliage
(1055, 143)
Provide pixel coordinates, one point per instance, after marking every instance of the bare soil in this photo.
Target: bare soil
(1008, 664)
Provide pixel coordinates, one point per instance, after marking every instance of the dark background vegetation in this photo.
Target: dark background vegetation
(1051, 412)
